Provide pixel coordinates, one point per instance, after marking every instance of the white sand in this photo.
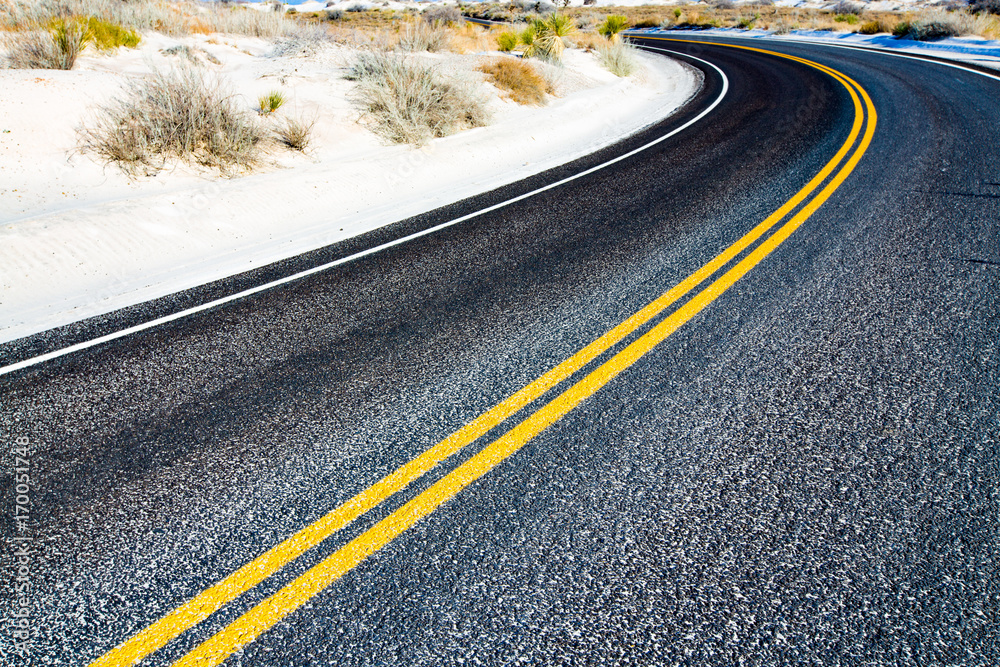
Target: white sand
(78, 238)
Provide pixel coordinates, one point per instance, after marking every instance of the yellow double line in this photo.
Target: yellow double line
(264, 615)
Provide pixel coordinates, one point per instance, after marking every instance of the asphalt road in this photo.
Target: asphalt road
(805, 472)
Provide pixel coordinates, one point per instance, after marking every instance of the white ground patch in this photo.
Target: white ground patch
(79, 239)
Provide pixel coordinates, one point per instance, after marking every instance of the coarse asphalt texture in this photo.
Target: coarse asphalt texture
(805, 473)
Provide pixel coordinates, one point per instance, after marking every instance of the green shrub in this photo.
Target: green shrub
(507, 40)
(527, 35)
(106, 36)
(901, 29)
(850, 19)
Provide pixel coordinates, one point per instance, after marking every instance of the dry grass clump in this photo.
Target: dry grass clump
(173, 17)
(295, 134)
(55, 48)
(178, 114)
(422, 36)
(518, 80)
(406, 102)
(472, 38)
(618, 57)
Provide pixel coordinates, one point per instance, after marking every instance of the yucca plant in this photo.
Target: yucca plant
(613, 25)
(547, 37)
(271, 102)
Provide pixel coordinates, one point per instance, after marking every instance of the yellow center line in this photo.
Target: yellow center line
(203, 605)
(263, 616)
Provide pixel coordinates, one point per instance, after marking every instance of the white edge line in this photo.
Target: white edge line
(370, 251)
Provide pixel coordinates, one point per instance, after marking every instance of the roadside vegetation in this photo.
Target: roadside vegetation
(618, 57)
(178, 114)
(977, 17)
(409, 102)
(517, 79)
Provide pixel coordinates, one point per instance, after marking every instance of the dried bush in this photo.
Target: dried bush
(295, 134)
(438, 16)
(421, 36)
(56, 48)
(178, 114)
(407, 102)
(517, 79)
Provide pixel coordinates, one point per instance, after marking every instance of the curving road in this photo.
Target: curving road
(797, 465)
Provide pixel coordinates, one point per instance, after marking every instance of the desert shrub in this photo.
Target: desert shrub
(357, 7)
(518, 79)
(410, 103)
(653, 22)
(271, 102)
(333, 14)
(939, 26)
(295, 134)
(588, 3)
(421, 36)
(875, 27)
(442, 15)
(55, 48)
(507, 40)
(746, 23)
(618, 57)
(106, 35)
(176, 114)
(613, 25)
(850, 19)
